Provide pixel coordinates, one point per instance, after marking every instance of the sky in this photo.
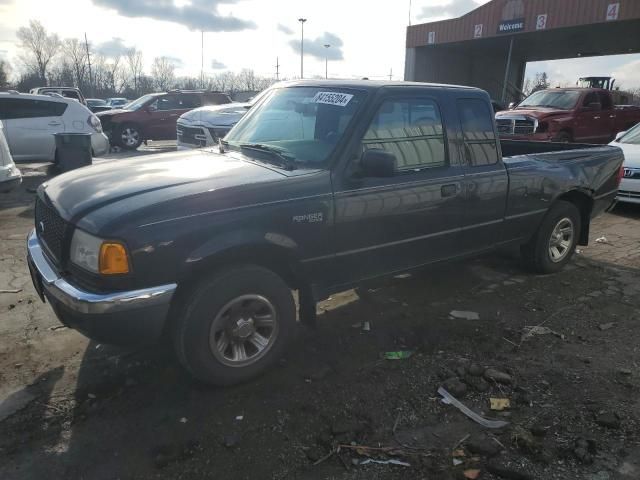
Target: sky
(367, 37)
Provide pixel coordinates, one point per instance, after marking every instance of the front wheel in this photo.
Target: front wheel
(553, 245)
(235, 325)
(128, 136)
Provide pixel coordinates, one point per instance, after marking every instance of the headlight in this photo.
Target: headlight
(94, 122)
(98, 256)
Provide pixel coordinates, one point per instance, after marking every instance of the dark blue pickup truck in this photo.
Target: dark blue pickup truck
(322, 185)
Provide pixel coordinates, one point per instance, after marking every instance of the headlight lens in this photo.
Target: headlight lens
(98, 256)
(85, 250)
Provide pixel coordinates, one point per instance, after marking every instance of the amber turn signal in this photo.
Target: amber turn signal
(113, 259)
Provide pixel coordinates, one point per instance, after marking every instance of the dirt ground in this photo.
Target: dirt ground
(74, 409)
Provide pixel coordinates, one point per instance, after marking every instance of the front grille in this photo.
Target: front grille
(515, 126)
(631, 173)
(628, 194)
(191, 135)
(51, 229)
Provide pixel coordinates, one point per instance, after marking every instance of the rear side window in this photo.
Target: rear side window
(189, 101)
(605, 101)
(216, 98)
(12, 108)
(476, 121)
(412, 130)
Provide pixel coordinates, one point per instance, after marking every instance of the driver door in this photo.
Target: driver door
(395, 223)
(163, 115)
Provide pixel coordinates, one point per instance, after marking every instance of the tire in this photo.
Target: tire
(548, 253)
(248, 293)
(563, 137)
(128, 136)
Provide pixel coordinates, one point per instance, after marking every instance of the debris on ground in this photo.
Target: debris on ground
(508, 472)
(531, 331)
(606, 326)
(232, 440)
(183, 420)
(472, 473)
(499, 404)
(399, 355)
(464, 315)
(603, 239)
(449, 399)
(524, 440)
(497, 376)
(14, 290)
(391, 461)
(366, 326)
(402, 276)
(482, 445)
(455, 387)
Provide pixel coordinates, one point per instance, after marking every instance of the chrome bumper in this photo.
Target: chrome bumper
(83, 302)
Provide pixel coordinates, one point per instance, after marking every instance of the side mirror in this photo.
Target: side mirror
(152, 108)
(512, 105)
(378, 163)
(619, 135)
(594, 106)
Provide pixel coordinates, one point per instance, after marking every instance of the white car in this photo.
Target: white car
(10, 176)
(629, 142)
(30, 122)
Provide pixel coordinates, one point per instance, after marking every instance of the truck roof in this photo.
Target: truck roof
(371, 84)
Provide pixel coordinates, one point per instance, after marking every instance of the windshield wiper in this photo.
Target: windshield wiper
(285, 161)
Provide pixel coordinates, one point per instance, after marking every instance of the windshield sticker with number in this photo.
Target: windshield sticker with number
(333, 98)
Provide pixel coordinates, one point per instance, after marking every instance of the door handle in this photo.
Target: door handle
(54, 124)
(612, 116)
(597, 117)
(449, 190)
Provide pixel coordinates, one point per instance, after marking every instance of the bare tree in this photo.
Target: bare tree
(4, 73)
(39, 47)
(163, 73)
(135, 66)
(76, 54)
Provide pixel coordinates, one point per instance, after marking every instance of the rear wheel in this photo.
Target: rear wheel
(235, 325)
(553, 245)
(128, 136)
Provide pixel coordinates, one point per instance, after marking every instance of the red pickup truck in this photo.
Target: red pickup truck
(585, 115)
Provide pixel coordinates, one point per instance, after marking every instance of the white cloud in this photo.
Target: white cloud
(217, 65)
(628, 75)
(452, 9)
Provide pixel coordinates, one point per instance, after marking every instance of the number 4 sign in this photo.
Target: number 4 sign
(613, 10)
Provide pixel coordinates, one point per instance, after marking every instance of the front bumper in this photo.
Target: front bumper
(129, 317)
(629, 190)
(190, 136)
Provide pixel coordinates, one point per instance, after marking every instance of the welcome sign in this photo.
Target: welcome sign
(511, 26)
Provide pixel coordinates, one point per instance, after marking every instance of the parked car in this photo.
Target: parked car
(154, 116)
(67, 92)
(204, 126)
(97, 105)
(629, 142)
(118, 102)
(10, 176)
(322, 185)
(567, 115)
(31, 121)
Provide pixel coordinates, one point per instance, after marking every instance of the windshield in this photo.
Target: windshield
(302, 124)
(632, 136)
(136, 104)
(561, 99)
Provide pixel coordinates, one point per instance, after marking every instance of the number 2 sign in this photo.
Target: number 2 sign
(613, 10)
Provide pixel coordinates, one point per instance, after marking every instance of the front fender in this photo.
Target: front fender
(246, 245)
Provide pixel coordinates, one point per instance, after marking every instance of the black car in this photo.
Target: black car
(320, 186)
(97, 105)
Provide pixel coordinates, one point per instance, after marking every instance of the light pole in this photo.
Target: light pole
(302, 21)
(326, 61)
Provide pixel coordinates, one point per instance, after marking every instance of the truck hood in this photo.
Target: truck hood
(537, 113)
(216, 115)
(127, 186)
(111, 113)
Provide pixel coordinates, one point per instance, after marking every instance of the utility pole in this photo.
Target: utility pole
(86, 44)
(326, 61)
(302, 22)
(391, 74)
(277, 68)
(202, 60)
(409, 12)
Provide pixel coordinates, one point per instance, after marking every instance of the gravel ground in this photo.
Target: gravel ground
(564, 347)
